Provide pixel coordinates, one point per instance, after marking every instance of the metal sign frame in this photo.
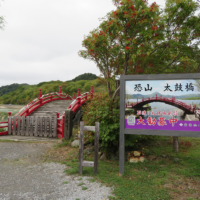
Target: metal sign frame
(123, 131)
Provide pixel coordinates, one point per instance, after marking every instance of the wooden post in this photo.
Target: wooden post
(18, 125)
(81, 144)
(81, 148)
(36, 126)
(68, 124)
(62, 121)
(176, 143)
(96, 146)
(27, 126)
(14, 125)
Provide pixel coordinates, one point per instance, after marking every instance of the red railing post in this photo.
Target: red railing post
(79, 92)
(63, 123)
(27, 111)
(51, 97)
(9, 114)
(78, 95)
(40, 95)
(86, 96)
(91, 91)
(74, 97)
(60, 90)
(156, 96)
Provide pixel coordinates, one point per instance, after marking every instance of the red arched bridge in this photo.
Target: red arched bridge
(189, 109)
(41, 117)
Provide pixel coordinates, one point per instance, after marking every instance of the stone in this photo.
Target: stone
(151, 157)
(176, 159)
(164, 156)
(142, 159)
(75, 143)
(136, 153)
(134, 160)
(103, 157)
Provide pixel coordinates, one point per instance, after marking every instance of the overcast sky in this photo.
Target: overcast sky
(42, 38)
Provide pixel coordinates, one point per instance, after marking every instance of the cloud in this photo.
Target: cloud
(41, 39)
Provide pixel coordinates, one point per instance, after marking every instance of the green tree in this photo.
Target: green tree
(138, 38)
(85, 76)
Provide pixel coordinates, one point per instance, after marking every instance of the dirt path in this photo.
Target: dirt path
(24, 175)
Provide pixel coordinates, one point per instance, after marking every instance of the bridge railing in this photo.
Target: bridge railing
(74, 106)
(60, 126)
(43, 99)
(4, 125)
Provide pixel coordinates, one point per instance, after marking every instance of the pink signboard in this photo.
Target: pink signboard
(162, 104)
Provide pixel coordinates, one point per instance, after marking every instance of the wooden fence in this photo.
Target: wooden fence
(33, 126)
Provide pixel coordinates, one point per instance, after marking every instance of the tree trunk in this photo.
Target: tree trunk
(117, 84)
(109, 89)
(176, 143)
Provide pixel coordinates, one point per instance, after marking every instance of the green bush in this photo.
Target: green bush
(100, 109)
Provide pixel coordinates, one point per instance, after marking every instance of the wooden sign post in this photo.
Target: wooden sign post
(96, 146)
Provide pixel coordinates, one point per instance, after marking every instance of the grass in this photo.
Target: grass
(66, 182)
(84, 188)
(163, 178)
(80, 184)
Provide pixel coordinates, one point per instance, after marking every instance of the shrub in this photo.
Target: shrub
(100, 109)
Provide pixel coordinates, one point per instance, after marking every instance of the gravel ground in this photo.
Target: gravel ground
(23, 175)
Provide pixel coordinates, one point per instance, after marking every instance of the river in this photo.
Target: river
(5, 108)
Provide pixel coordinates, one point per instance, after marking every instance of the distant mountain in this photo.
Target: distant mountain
(85, 76)
(10, 88)
(139, 96)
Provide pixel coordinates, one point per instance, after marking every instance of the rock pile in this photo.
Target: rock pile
(136, 156)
